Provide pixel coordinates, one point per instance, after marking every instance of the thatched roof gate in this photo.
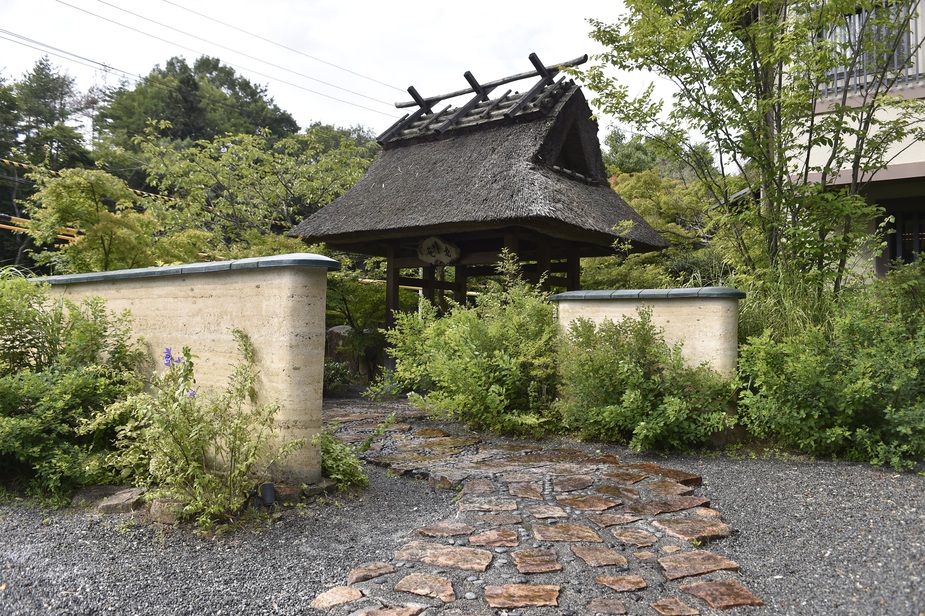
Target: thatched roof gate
(455, 186)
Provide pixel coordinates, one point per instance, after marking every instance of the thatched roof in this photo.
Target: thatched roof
(505, 163)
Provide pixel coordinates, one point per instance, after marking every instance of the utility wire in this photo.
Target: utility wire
(280, 45)
(239, 52)
(352, 104)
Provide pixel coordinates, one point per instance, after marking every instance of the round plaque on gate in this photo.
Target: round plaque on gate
(436, 251)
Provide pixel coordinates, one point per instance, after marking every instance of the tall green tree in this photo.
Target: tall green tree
(791, 97)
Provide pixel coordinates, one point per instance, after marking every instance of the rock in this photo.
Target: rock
(368, 571)
(165, 510)
(722, 595)
(124, 501)
(317, 489)
(521, 595)
(698, 562)
(334, 597)
(427, 586)
(90, 494)
(440, 555)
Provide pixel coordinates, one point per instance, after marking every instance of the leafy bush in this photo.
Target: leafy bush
(855, 389)
(491, 365)
(336, 377)
(339, 461)
(208, 451)
(60, 363)
(622, 382)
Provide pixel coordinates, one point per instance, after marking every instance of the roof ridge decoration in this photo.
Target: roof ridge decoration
(480, 109)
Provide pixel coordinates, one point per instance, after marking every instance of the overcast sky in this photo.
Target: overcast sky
(340, 62)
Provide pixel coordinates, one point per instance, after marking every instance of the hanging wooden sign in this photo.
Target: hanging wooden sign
(436, 251)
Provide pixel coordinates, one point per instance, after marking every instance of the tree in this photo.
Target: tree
(749, 78)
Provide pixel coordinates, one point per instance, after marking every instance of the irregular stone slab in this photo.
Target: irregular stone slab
(694, 563)
(501, 519)
(599, 556)
(427, 585)
(497, 537)
(368, 571)
(706, 512)
(618, 491)
(565, 468)
(554, 456)
(124, 501)
(408, 610)
(625, 477)
(446, 479)
(446, 528)
(439, 555)
(479, 486)
(165, 510)
(722, 595)
(680, 503)
(521, 595)
(450, 443)
(665, 487)
(622, 583)
(634, 536)
(91, 494)
(542, 512)
(688, 479)
(531, 491)
(605, 606)
(645, 555)
(536, 561)
(611, 519)
(671, 549)
(488, 504)
(645, 508)
(673, 607)
(431, 433)
(570, 483)
(525, 477)
(335, 596)
(565, 532)
(695, 529)
(588, 502)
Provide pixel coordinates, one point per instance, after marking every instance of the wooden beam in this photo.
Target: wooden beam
(391, 289)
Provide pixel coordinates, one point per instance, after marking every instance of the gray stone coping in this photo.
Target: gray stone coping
(651, 294)
(299, 259)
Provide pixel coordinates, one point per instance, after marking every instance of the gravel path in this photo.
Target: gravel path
(811, 538)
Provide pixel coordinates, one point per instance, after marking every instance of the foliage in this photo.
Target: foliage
(208, 451)
(622, 382)
(492, 364)
(339, 461)
(855, 389)
(336, 377)
(60, 363)
(748, 78)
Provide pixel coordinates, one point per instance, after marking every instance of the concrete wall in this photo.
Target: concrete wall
(705, 320)
(278, 301)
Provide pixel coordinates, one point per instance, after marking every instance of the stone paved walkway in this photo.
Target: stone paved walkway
(538, 530)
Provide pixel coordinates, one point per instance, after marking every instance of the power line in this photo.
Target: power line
(280, 45)
(334, 98)
(231, 49)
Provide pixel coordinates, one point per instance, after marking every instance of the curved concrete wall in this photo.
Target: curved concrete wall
(278, 301)
(705, 320)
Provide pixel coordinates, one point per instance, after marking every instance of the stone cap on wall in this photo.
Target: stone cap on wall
(651, 294)
(298, 259)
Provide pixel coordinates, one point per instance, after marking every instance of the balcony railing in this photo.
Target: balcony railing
(906, 62)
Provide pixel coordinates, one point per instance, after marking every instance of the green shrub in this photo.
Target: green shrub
(622, 382)
(491, 365)
(60, 363)
(854, 389)
(208, 451)
(336, 377)
(339, 461)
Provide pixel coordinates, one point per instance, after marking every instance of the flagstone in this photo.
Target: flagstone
(673, 607)
(707, 512)
(334, 597)
(666, 487)
(430, 433)
(525, 476)
(497, 537)
(368, 571)
(698, 562)
(611, 519)
(408, 610)
(522, 595)
(564, 532)
(543, 512)
(446, 528)
(488, 504)
(722, 595)
(446, 479)
(618, 491)
(530, 491)
(626, 477)
(427, 585)
(648, 508)
(634, 536)
(440, 555)
(694, 529)
(606, 606)
(450, 442)
(570, 483)
(479, 486)
(599, 556)
(622, 583)
(688, 479)
(500, 519)
(588, 502)
(536, 561)
(645, 555)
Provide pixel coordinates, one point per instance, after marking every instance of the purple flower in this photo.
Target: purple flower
(191, 393)
(168, 357)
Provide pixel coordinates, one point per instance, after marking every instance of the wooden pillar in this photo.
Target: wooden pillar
(391, 288)
(573, 269)
(461, 285)
(427, 282)
(543, 262)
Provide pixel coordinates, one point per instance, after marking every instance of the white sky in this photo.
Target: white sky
(397, 42)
